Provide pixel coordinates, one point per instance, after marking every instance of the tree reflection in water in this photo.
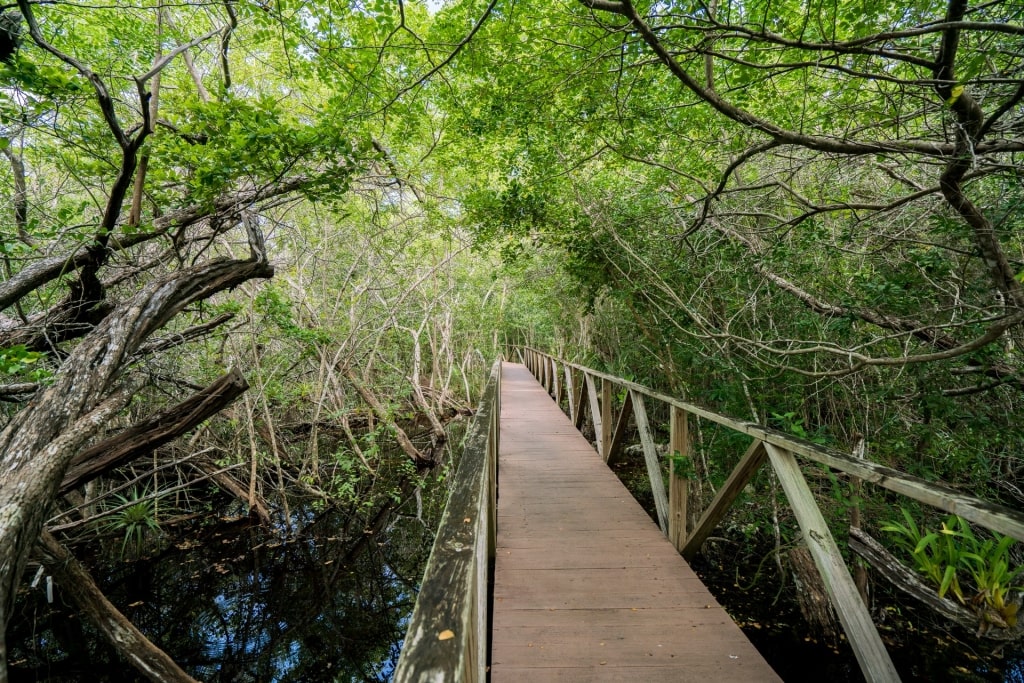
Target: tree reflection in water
(235, 604)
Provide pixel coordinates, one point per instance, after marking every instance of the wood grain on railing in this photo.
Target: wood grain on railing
(992, 516)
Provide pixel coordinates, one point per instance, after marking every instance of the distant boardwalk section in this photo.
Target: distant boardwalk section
(586, 587)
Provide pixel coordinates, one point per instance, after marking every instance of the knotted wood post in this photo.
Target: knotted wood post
(679, 476)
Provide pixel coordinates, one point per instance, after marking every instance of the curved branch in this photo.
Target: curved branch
(729, 170)
(102, 94)
(162, 63)
(970, 125)
(775, 132)
(1006, 106)
(451, 55)
(46, 270)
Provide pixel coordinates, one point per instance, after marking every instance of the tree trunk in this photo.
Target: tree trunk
(130, 643)
(156, 430)
(812, 596)
(38, 445)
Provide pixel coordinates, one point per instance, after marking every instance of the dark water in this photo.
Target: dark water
(329, 599)
(233, 603)
(922, 647)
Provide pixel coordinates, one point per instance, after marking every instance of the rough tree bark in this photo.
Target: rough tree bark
(156, 430)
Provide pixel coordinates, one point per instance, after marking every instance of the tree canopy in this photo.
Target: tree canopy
(805, 212)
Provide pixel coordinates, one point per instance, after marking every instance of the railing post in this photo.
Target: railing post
(679, 471)
(620, 428)
(606, 418)
(553, 379)
(558, 384)
(595, 408)
(727, 494)
(577, 399)
(570, 391)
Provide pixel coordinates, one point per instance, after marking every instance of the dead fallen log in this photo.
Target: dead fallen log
(902, 578)
(77, 584)
(156, 430)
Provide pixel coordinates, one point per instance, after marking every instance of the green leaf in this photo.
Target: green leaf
(925, 542)
(947, 580)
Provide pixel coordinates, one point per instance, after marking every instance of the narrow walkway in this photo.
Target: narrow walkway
(586, 588)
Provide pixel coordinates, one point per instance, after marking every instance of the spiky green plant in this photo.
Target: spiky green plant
(134, 514)
(955, 551)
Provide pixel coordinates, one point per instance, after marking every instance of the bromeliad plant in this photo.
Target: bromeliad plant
(134, 514)
(944, 556)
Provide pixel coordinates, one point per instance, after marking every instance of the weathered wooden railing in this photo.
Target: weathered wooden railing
(447, 638)
(579, 385)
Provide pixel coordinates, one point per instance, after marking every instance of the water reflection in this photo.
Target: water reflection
(234, 604)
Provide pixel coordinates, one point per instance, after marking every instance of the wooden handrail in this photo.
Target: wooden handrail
(993, 516)
(447, 638)
(781, 451)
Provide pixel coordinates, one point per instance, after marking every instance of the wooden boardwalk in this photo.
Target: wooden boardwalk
(586, 588)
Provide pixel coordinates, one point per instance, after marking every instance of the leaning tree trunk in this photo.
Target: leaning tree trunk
(130, 642)
(39, 444)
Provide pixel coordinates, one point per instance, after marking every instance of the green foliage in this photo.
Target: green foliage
(221, 142)
(49, 81)
(19, 361)
(947, 555)
(134, 515)
(682, 465)
(272, 305)
(989, 567)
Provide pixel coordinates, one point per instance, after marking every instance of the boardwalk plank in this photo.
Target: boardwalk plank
(586, 587)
